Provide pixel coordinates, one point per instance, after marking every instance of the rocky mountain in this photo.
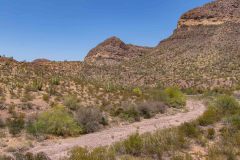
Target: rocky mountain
(113, 51)
(202, 53)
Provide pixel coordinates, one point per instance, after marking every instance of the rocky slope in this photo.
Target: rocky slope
(113, 51)
(202, 53)
(215, 13)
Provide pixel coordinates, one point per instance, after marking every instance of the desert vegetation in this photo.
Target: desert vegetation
(217, 128)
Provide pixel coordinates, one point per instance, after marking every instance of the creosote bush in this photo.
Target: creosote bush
(56, 121)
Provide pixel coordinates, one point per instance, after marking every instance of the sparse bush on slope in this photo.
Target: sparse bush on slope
(71, 101)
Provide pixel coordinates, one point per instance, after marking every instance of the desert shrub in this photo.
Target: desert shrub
(55, 81)
(37, 85)
(30, 156)
(71, 101)
(100, 153)
(56, 121)
(152, 144)
(16, 124)
(133, 145)
(137, 91)
(234, 121)
(90, 119)
(190, 130)
(174, 97)
(130, 114)
(218, 152)
(150, 109)
(211, 133)
(210, 116)
(227, 104)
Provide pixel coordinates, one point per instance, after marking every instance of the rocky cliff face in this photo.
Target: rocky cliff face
(114, 51)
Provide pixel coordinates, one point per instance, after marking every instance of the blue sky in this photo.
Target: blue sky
(68, 29)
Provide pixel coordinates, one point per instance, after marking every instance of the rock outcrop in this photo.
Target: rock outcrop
(215, 13)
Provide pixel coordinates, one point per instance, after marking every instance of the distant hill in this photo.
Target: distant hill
(203, 53)
(113, 51)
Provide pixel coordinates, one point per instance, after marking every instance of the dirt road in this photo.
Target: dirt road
(56, 150)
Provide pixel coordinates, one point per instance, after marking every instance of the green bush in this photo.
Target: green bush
(235, 121)
(137, 91)
(71, 102)
(171, 96)
(57, 121)
(55, 81)
(100, 153)
(190, 130)
(37, 85)
(174, 97)
(133, 145)
(130, 114)
(210, 116)
(227, 104)
(16, 124)
(90, 119)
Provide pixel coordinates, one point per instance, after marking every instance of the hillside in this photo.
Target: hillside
(203, 53)
(120, 89)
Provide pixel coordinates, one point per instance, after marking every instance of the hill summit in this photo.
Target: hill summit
(114, 50)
